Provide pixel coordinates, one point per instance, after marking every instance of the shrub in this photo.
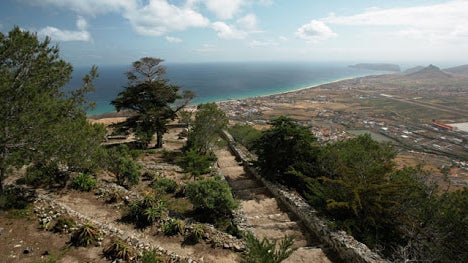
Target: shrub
(196, 164)
(121, 163)
(245, 134)
(13, 197)
(63, 224)
(119, 250)
(86, 235)
(151, 256)
(146, 211)
(173, 227)
(44, 174)
(195, 234)
(212, 197)
(267, 252)
(84, 182)
(164, 185)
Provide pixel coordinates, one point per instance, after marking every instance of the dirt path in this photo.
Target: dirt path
(265, 217)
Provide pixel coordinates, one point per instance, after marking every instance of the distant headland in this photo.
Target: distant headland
(377, 66)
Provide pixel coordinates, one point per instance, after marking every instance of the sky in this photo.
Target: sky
(118, 32)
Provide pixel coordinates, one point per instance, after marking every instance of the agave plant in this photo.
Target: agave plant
(86, 235)
(119, 250)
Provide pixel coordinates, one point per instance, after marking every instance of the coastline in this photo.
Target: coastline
(115, 114)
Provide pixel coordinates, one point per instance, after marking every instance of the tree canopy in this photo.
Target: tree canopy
(285, 147)
(152, 100)
(41, 122)
(209, 122)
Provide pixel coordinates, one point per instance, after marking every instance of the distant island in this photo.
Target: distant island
(377, 66)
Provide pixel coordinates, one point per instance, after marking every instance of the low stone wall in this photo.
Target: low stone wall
(348, 248)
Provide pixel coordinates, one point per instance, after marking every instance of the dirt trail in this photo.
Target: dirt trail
(265, 217)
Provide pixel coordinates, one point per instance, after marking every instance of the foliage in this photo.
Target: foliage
(173, 227)
(86, 235)
(445, 219)
(286, 147)
(209, 122)
(245, 134)
(40, 121)
(84, 182)
(150, 256)
(14, 197)
(196, 164)
(164, 185)
(267, 252)
(121, 163)
(63, 224)
(118, 249)
(44, 174)
(151, 98)
(212, 197)
(146, 211)
(195, 233)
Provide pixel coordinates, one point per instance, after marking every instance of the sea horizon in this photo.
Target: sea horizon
(222, 81)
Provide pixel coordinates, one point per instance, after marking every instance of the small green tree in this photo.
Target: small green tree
(121, 163)
(212, 197)
(209, 122)
(151, 99)
(285, 147)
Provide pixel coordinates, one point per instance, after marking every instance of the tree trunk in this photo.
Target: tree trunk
(159, 140)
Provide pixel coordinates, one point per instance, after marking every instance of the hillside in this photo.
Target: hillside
(459, 70)
(429, 72)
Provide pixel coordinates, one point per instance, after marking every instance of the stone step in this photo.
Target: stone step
(244, 184)
(271, 218)
(276, 234)
(260, 207)
(258, 193)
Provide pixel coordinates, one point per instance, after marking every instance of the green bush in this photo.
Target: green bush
(194, 234)
(121, 163)
(164, 185)
(44, 174)
(212, 197)
(84, 182)
(150, 256)
(245, 134)
(13, 197)
(63, 224)
(173, 227)
(146, 211)
(196, 164)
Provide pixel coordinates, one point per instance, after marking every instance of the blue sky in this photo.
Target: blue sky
(107, 32)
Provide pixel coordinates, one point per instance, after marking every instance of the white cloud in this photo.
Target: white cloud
(173, 39)
(436, 22)
(160, 17)
(257, 43)
(66, 35)
(223, 9)
(248, 22)
(315, 31)
(226, 31)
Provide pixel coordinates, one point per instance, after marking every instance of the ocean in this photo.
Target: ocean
(213, 82)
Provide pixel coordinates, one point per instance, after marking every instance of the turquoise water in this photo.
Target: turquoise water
(222, 81)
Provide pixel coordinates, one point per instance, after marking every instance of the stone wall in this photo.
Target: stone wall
(348, 248)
